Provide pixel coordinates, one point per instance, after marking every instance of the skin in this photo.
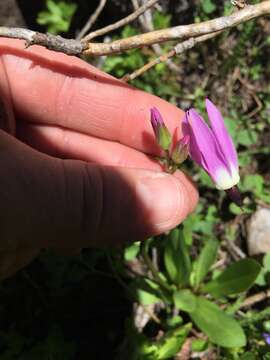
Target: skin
(76, 150)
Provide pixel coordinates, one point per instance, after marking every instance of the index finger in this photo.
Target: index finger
(55, 89)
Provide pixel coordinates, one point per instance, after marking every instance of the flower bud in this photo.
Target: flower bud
(180, 151)
(162, 134)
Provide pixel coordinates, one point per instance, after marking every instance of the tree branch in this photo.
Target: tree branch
(146, 22)
(121, 22)
(176, 50)
(53, 42)
(92, 19)
(180, 32)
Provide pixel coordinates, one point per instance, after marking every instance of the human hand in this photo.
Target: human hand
(75, 170)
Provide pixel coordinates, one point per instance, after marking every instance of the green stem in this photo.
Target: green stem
(152, 268)
(116, 275)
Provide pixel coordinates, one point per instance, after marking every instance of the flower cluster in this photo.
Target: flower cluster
(180, 151)
(211, 148)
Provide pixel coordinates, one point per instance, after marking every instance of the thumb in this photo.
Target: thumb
(49, 202)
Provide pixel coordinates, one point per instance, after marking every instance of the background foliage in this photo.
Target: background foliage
(191, 284)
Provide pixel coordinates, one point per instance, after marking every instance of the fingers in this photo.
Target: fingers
(65, 91)
(67, 203)
(68, 144)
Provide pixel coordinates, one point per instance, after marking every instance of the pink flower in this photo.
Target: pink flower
(212, 148)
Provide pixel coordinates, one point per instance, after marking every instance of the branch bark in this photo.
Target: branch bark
(182, 32)
(53, 42)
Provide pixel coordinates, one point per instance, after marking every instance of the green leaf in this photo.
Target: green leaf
(246, 137)
(184, 300)
(205, 179)
(58, 16)
(260, 280)
(199, 345)
(128, 31)
(172, 342)
(266, 325)
(145, 291)
(235, 209)
(187, 232)
(248, 356)
(205, 261)
(174, 321)
(53, 7)
(266, 262)
(176, 258)
(131, 251)
(231, 126)
(236, 278)
(161, 20)
(221, 328)
(254, 183)
(208, 6)
(265, 269)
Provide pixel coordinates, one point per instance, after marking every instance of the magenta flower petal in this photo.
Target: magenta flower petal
(203, 146)
(207, 151)
(194, 150)
(222, 136)
(156, 120)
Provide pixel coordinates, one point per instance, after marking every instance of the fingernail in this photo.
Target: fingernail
(164, 200)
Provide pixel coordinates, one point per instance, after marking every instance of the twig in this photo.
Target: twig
(234, 250)
(92, 19)
(142, 18)
(176, 50)
(146, 21)
(258, 108)
(254, 299)
(53, 42)
(180, 32)
(152, 268)
(121, 22)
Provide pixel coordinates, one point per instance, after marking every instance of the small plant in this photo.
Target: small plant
(193, 294)
(57, 16)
